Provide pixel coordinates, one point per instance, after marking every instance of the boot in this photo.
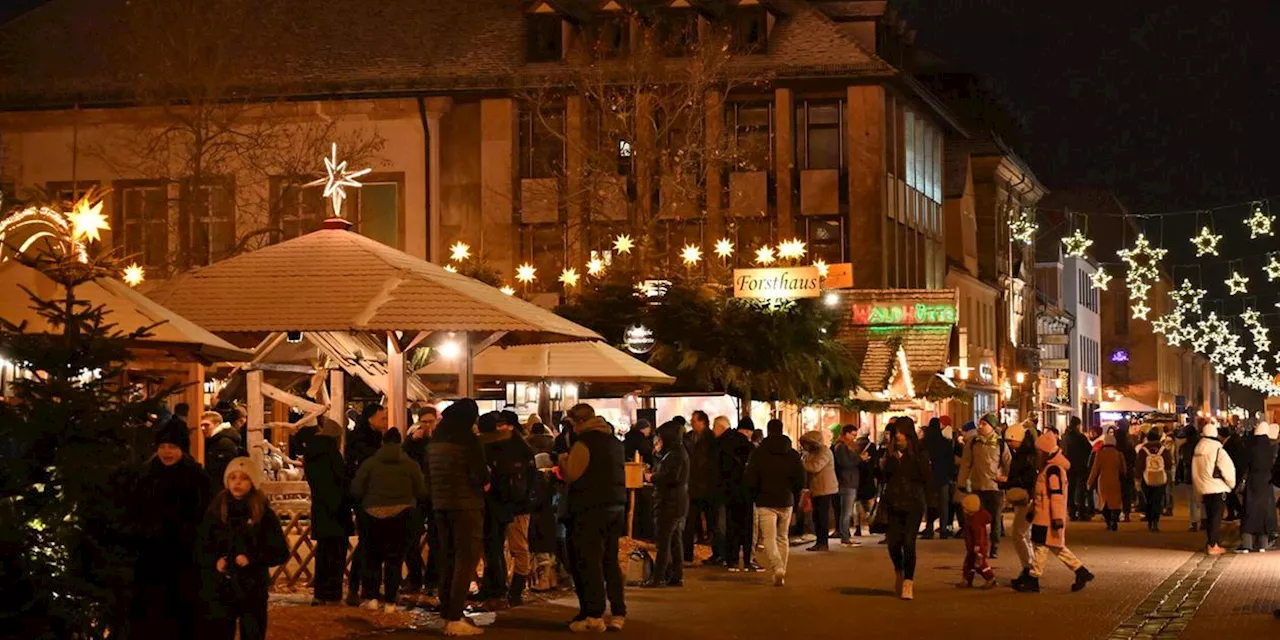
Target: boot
(1022, 577)
(1083, 577)
(1030, 585)
(515, 595)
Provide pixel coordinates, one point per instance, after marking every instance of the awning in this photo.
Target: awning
(594, 362)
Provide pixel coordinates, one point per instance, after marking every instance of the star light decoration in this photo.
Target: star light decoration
(1140, 310)
(508, 290)
(1100, 279)
(337, 180)
(623, 244)
(1260, 223)
(134, 274)
(569, 277)
(1076, 244)
(526, 273)
(460, 251)
(764, 256)
(1142, 261)
(1253, 321)
(724, 248)
(450, 268)
(1272, 268)
(1237, 284)
(1206, 243)
(791, 249)
(822, 267)
(1022, 225)
(87, 221)
(595, 267)
(691, 255)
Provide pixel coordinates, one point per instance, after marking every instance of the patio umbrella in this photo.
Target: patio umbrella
(1124, 405)
(577, 361)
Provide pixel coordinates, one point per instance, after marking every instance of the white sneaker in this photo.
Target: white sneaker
(587, 625)
(908, 593)
(461, 628)
(371, 605)
(616, 623)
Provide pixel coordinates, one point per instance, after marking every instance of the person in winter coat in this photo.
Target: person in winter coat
(540, 438)
(544, 538)
(848, 463)
(388, 486)
(1233, 443)
(774, 476)
(1258, 524)
(639, 440)
(907, 479)
(1107, 477)
(943, 463)
(170, 502)
(984, 464)
(222, 444)
(704, 489)
(506, 502)
(735, 450)
(1155, 459)
(1077, 448)
(1020, 491)
(670, 479)
(820, 466)
(868, 483)
(1049, 518)
(421, 519)
(456, 477)
(977, 541)
(1125, 445)
(239, 540)
(1214, 476)
(362, 442)
(330, 510)
(1182, 476)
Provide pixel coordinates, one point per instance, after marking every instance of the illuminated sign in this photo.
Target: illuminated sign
(986, 372)
(638, 338)
(1119, 355)
(903, 313)
(777, 284)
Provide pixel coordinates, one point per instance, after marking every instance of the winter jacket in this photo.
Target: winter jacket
(1077, 448)
(1255, 474)
(820, 466)
(362, 443)
(300, 440)
(595, 470)
(262, 542)
(541, 442)
(169, 505)
(1107, 476)
(1051, 503)
(867, 471)
(1236, 449)
(1211, 468)
(1023, 470)
(977, 532)
(542, 513)
(456, 469)
(636, 442)
(941, 455)
(671, 475)
(416, 447)
(388, 480)
(1151, 449)
(984, 460)
(907, 479)
(327, 476)
(511, 472)
(220, 448)
(734, 451)
(704, 470)
(848, 463)
(1182, 466)
(774, 473)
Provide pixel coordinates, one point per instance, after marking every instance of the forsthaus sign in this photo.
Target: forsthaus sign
(781, 283)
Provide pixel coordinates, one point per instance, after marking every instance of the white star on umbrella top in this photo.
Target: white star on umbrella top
(337, 181)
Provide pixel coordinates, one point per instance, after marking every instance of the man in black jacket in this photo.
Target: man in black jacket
(222, 445)
(330, 510)
(704, 481)
(670, 481)
(734, 450)
(1077, 448)
(506, 502)
(774, 476)
(362, 443)
(943, 463)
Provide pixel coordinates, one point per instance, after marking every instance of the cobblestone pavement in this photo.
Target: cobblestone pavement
(1153, 586)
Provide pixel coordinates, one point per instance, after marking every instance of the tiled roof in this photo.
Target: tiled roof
(576, 361)
(928, 351)
(333, 280)
(88, 52)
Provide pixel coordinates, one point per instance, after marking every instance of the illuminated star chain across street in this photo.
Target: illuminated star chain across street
(1237, 284)
(1101, 279)
(337, 180)
(1206, 243)
(1273, 268)
(1076, 244)
(1260, 223)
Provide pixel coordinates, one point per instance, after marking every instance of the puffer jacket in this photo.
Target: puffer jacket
(456, 468)
(389, 478)
(1209, 457)
(985, 459)
(820, 465)
(774, 473)
(1051, 502)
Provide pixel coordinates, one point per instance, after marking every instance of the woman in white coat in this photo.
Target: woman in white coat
(1214, 476)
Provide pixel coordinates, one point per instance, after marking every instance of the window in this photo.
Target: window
(208, 213)
(379, 209)
(544, 33)
(543, 246)
(747, 235)
(143, 215)
(677, 31)
(673, 235)
(824, 238)
(298, 210)
(611, 36)
(541, 143)
(751, 30)
(752, 134)
(66, 193)
(922, 155)
(819, 135)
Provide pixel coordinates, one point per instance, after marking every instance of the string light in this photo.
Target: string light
(791, 249)
(1273, 268)
(764, 256)
(1142, 261)
(1206, 243)
(724, 248)
(134, 274)
(526, 273)
(459, 252)
(1076, 244)
(623, 244)
(1101, 279)
(1260, 224)
(569, 277)
(337, 180)
(595, 267)
(1140, 310)
(691, 255)
(1022, 226)
(1237, 284)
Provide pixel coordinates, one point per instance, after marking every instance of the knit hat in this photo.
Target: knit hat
(174, 432)
(489, 422)
(1015, 434)
(1210, 430)
(1047, 442)
(945, 421)
(543, 461)
(746, 424)
(1109, 440)
(991, 419)
(246, 466)
(970, 503)
(330, 429)
(968, 426)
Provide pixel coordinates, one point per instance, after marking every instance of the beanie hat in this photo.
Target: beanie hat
(1047, 442)
(174, 432)
(945, 421)
(746, 424)
(968, 426)
(1109, 440)
(543, 461)
(971, 503)
(244, 465)
(1015, 434)
(1210, 430)
(489, 422)
(991, 419)
(330, 428)
(1262, 429)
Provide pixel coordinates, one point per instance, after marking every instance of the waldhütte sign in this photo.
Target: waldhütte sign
(894, 312)
(784, 283)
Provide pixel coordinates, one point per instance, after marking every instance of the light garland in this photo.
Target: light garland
(1140, 310)
(1237, 284)
(1142, 261)
(1076, 244)
(526, 273)
(1100, 279)
(1206, 243)
(1260, 223)
(1273, 268)
(337, 180)
(1022, 226)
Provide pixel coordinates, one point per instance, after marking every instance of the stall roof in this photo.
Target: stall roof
(577, 361)
(927, 349)
(129, 311)
(1124, 405)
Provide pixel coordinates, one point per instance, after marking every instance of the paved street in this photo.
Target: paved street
(1147, 584)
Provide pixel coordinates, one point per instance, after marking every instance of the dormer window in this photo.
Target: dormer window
(677, 31)
(611, 35)
(750, 29)
(545, 37)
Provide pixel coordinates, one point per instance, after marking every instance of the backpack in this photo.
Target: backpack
(516, 485)
(639, 567)
(1155, 474)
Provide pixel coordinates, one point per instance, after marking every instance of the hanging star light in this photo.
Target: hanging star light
(460, 251)
(1076, 244)
(1143, 262)
(508, 290)
(1140, 310)
(1022, 226)
(526, 273)
(1101, 279)
(569, 277)
(764, 256)
(623, 244)
(337, 180)
(724, 248)
(1260, 224)
(1237, 284)
(1273, 268)
(822, 267)
(134, 274)
(595, 267)
(691, 255)
(791, 249)
(1187, 295)
(87, 221)
(1206, 243)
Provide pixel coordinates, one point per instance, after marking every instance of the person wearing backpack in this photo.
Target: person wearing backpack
(983, 466)
(1155, 459)
(506, 505)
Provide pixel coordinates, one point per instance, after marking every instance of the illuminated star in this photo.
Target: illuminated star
(1076, 244)
(791, 250)
(87, 220)
(822, 267)
(1237, 284)
(508, 290)
(1260, 224)
(1140, 310)
(724, 248)
(1100, 279)
(450, 268)
(337, 180)
(459, 251)
(134, 275)
(595, 267)
(526, 273)
(1273, 268)
(623, 244)
(1206, 243)
(764, 255)
(691, 255)
(569, 277)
